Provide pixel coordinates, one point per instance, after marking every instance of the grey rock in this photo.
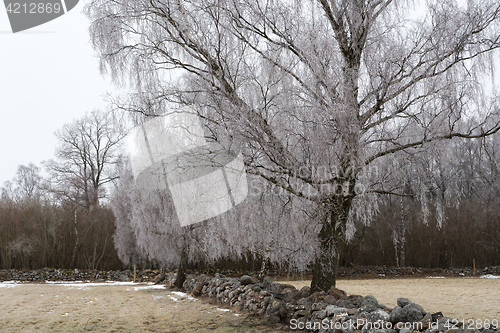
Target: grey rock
(267, 282)
(286, 286)
(318, 306)
(257, 289)
(275, 306)
(413, 313)
(301, 313)
(368, 308)
(405, 330)
(333, 310)
(321, 314)
(377, 315)
(420, 308)
(397, 315)
(369, 300)
(273, 319)
(279, 296)
(444, 320)
(246, 280)
(330, 299)
(354, 301)
(436, 316)
(302, 301)
(305, 291)
(275, 287)
(402, 302)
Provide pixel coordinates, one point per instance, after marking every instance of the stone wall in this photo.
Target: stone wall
(333, 311)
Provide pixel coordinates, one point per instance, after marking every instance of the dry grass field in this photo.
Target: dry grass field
(126, 307)
(114, 308)
(460, 298)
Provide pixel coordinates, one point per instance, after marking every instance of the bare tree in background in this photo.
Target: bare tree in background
(314, 92)
(26, 185)
(87, 158)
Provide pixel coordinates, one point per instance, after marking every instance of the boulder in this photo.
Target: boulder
(337, 293)
(267, 282)
(368, 308)
(301, 313)
(376, 315)
(330, 299)
(369, 300)
(246, 280)
(413, 313)
(397, 315)
(333, 310)
(402, 302)
(305, 291)
(318, 306)
(321, 314)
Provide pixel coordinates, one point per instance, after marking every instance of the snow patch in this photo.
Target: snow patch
(152, 286)
(224, 310)
(92, 284)
(87, 284)
(184, 295)
(8, 284)
(489, 276)
(435, 277)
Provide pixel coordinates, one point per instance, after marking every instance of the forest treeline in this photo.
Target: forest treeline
(35, 233)
(37, 230)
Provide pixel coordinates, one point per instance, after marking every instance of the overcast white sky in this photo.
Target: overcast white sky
(49, 76)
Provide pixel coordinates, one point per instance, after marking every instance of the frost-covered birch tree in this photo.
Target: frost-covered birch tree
(316, 93)
(147, 228)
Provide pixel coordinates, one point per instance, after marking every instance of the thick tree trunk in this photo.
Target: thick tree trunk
(181, 271)
(332, 238)
(327, 262)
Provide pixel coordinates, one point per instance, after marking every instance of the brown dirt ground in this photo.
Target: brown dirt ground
(460, 298)
(107, 308)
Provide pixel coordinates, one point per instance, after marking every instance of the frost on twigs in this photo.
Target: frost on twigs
(170, 153)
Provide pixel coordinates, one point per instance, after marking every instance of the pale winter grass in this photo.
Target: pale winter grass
(460, 298)
(145, 308)
(114, 308)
